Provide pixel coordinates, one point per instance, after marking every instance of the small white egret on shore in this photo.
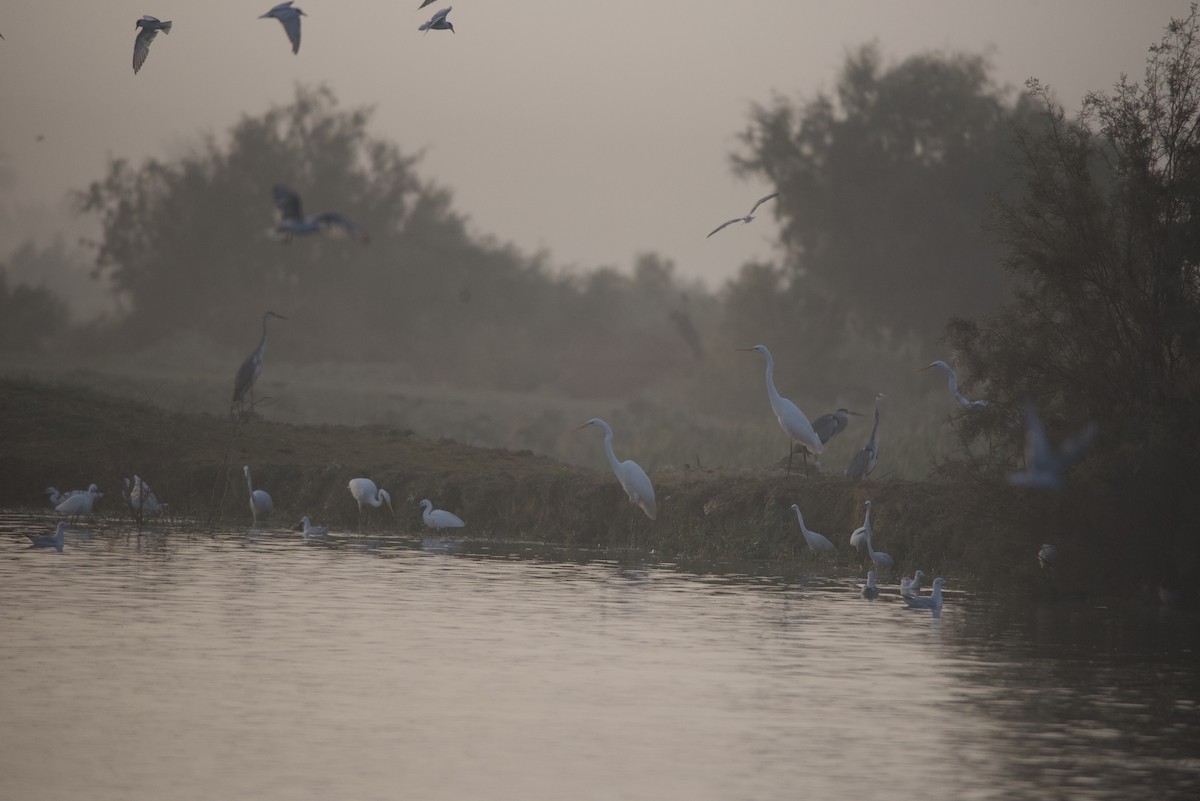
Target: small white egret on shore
(746, 219)
(816, 542)
(365, 492)
(829, 425)
(1044, 463)
(862, 535)
(79, 503)
(867, 457)
(150, 26)
(911, 587)
(633, 478)
(291, 222)
(963, 402)
(309, 530)
(438, 21)
(791, 419)
(252, 367)
(289, 17)
(439, 518)
(859, 535)
(870, 590)
(933, 601)
(46, 541)
(260, 501)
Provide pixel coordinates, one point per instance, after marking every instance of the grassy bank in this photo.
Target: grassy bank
(69, 436)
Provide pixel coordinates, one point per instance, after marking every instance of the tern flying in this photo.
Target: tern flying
(290, 18)
(438, 22)
(748, 217)
(150, 26)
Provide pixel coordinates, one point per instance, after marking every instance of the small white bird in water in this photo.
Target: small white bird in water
(633, 478)
(365, 491)
(911, 587)
(260, 501)
(290, 19)
(438, 21)
(870, 591)
(748, 217)
(79, 504)
(289, 211)
(816, 542)
(933, 601)
(150, 26)
(439, 518)
(963, 402)
(1044, 463)
(309, 530)
(44, 541)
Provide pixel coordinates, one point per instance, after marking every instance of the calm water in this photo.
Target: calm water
(190, 666)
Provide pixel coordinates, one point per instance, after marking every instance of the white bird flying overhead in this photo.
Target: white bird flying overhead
(633, 478)
(44, 541)
(829, 425)
(251, 368)
(870, 591)
(309, 530)
(791, 419)
(289, 210)
(365, 491)
(438, 21)
(748, 217)
(933, 601)
(963, 402)
(290, 18)
(150, 26)
(1044, 464)
(439, 518)
(78, 504)
(260, 501)
(423, 4)
(867, 457)
(911, 587)
(817, 542)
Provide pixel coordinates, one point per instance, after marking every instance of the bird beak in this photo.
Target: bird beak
(745, 350)
(856, 414)
(577, 428)
(923, 369)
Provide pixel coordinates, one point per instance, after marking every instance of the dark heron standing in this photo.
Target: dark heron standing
(290, 19)
(864, 461)
(150, 26)
(248, 373)
(827, 425)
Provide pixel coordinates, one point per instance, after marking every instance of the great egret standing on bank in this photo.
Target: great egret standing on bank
(816, 542)
(438, 21)
(251, 368)
(289, 210)
(290, 19)
(859, 535)
(633, 478)
(1044, 464)
(829, 425)
(963, 402)
(791, 419)
(862, 535)
(260, 501)
(44, 541)
(150, 26)
(868, 456)
(365, 491)
(439, 518)
(748, 218)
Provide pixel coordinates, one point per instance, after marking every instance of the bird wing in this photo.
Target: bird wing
(335, 225)
(860, 463)
(762, 201)
(291, 24)
(722, 225)
(141, 46)
(423, 4)
(287, 203)
(825, 426)
(440, 14)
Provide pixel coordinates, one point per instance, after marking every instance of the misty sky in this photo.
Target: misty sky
(594, 130)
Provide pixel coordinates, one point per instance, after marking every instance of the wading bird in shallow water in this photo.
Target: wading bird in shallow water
(911, 587)
(932, 602)
(79, 503)
(290, 19)
(963, 402)
(438, 22)
(44, 541)
(292, 223)
(309, 530)
(870, 591)
(251, 368)
(859, 535)
(748, 217)
(867, 457)
(791, 419)
(57, 497)
(365, 491)
(816, 542)
(829, 425)
(633, 478)
(260, 501)
(1044, 464)
(862, 536)
(150, 26)
(438, 518)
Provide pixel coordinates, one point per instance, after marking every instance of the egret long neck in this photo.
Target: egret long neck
(608, 448)
(249, 485)
(772, 393)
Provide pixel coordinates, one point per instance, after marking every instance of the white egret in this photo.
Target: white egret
(438, 22)
(817, 542)
(963, 402)
(290, 19)
(365, 491)
(439, 518)
(78, 504)
(251, 368)
(150, 26)
(1044, 464)
(141, 499)
(868, 456)
(791, 419)
(870, 590)
(43, 541)
(863, 535)
(57, 497)
(260, 501)
(309, 530)
(829, 425)
(748, 217)
(911, 587)
(859, 535)
(633, 478)
(291, 222)
(933, 601)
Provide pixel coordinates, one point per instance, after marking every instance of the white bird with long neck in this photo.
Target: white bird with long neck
(365, 492)
(78, 504)
(252, 367)
(791, 419)
(953, 382)
(439, 518)
(868, 456)
(816, 542)
(860, 534)
(633, 478)
(933, 601)
(43, 541)
(260, 501)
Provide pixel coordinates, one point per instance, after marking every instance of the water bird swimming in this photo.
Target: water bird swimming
(292, 223)
(290, 19)
(438, 21)
(816, 542)
(251, 368)
(829, 425)
(911, 587)
(749, 217)
(439, 518)
(791, 419)
(633, 478)
(870, 591)
(1045, 464)
(867, 457)
(150, 26)
(310, 530)
(933, 601)
(260, 501)
(365, 491)
(963, 402)
(44, 541)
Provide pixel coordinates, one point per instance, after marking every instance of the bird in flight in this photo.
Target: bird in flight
(290, 19)
(748, 217)
(1044, 464)
(423, 4)
(292, 221)
(438, 21)
(150, 26)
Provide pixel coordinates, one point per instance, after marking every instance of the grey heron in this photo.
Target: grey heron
(438, 21)
(251, 368)
(46, 541)
(829, 425)
(309, 530)
(932, 602)
(260, 501)
(1044, 464)
(870, 590)
(791, 419)
(292, 223)
(911, 587)
(816, 542)
(365, 491)
(150, 26)
(289, 17)
(438, 518)
(867, 457)
(953, 382)
(633, 478)
(749, 217)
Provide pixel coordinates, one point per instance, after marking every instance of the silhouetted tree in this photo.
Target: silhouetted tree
(28, 316)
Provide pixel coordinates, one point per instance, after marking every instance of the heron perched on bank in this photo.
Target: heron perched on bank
(289, 210)
(251, 368)
(816, 542)
(865, 460)
(438, 518)
(150, 26)
(365, 491)
(791, 419)
(932, 602)
(963, 402)
(859, 535)
(829, 425)
(746, 219)
(438, 21)
(260, 501)
(54, 541)
(289, 17)
(863, 534)
(1044, 464)
(633, 478)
